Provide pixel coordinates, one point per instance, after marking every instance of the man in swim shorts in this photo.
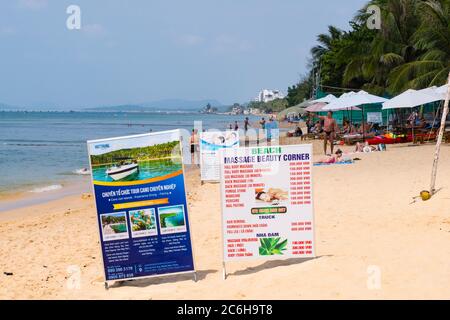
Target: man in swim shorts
(329, 131)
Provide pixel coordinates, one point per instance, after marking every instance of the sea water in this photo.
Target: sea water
(45, 151)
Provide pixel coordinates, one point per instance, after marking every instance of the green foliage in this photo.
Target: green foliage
(300, 92)
(269, 107)
(158, 151)
(113, 219)
(272, 246)
(412, 50)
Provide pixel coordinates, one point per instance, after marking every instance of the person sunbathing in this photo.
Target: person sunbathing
(336, 158)
(273, 194)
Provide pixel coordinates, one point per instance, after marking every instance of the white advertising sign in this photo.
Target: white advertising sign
(267, 203)
(210, 145)
(374, 117)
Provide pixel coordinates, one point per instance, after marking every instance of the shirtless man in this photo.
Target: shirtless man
(329, 129)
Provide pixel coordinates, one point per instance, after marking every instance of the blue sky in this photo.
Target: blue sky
(141, 50)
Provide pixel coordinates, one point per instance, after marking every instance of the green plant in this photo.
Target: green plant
(272, 246)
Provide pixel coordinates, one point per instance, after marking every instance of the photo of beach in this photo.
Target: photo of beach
(143, 223)
(172, 219)
(136, 164)
(114, 226)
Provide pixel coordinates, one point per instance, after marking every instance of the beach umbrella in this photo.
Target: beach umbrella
(317, 107)
(412, 98)
(442, 91)
(353, 99)
(305, 103)
(293, 110)
(328, 99)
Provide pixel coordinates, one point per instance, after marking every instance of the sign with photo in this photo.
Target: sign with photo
(138, 183)
(267, 203)
(210, 145)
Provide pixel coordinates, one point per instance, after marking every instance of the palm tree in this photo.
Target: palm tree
(376, 53)
(433, 39)
(324, 56)
(326, 42)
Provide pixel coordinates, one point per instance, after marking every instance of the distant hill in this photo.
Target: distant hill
(161, 105)
(120, 108)
(181, 104)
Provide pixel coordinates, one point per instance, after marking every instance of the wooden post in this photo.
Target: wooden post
(439, 140)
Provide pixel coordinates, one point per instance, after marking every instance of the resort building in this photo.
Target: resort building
(266, 95)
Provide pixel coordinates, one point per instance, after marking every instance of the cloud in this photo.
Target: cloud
(33, 4)
(190, 40)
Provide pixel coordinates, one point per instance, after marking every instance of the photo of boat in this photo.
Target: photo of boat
(129, 163)
(125, 169)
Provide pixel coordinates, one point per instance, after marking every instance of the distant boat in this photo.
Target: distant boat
(125, 169)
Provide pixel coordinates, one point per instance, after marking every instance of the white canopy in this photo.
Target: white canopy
(442, 91)
(317, 107)
(412, 98)
(352, 99)
(329, 98)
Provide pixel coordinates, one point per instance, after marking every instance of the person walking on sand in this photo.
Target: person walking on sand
(263, 123)
(194, 146)
(246, 124)
(329, 130)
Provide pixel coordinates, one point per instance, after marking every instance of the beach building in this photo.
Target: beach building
(266, 95)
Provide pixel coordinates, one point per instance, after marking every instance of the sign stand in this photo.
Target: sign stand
(211, 142)
(224, 271)
(267, 216)
(107, 283)
(119, 207)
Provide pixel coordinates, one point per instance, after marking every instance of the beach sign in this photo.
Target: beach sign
(267, 203)
(142, 214)
(211, 142)
(375, 117)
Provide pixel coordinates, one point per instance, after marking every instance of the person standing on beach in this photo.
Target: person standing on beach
(194, 146)
(236, 126)
(246, 124)
(263, 123)
(329, 129)
(272, 125)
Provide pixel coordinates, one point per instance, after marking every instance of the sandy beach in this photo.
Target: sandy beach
(364, 217)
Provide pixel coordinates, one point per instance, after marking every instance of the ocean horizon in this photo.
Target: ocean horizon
(46, 151)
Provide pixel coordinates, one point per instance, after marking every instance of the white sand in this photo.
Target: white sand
(363, 218)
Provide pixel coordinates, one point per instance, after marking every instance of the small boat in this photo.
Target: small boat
(124, 170)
